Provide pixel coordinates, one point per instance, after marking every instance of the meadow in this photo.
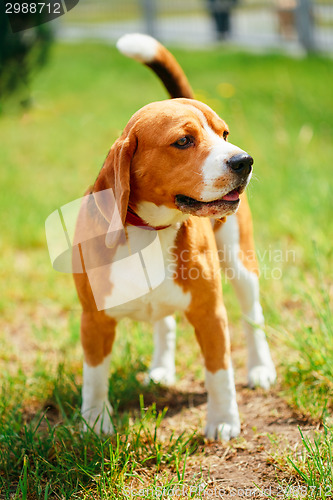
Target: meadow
(281, 111)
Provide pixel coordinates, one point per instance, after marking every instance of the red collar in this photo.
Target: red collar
(135, 220)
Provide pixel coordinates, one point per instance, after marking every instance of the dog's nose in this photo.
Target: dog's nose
(241, 163)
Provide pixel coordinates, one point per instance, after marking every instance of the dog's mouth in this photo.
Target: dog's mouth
(216, 208)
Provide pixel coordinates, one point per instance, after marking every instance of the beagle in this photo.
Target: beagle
(172, 182)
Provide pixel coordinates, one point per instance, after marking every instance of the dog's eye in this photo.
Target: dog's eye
(183, 142)
(225, 135)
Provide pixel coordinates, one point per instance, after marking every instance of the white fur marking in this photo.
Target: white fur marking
(261, 370)
(96, 408)
(162, 368)
(159, 215)
(215, 165)
(143, 48)
(222, 410)
(161, 301)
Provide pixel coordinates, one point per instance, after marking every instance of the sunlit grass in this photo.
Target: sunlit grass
(308, 372)
(278, 109)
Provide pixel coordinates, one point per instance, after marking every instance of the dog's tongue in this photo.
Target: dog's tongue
(232, 196)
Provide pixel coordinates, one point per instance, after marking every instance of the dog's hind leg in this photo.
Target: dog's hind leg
(97, 336)
(162, 369)
(237, 257)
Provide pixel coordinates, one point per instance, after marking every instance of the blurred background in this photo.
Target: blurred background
(293, 25)
(265, 66)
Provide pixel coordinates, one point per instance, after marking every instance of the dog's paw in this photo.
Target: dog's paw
(161, 375)
(222, 432)
(99, 419)
(261, 376)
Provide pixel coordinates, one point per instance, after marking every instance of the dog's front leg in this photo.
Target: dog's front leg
(97, 336)
(213, 336)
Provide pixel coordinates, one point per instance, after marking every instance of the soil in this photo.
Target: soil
(247, 466)
(248, 463)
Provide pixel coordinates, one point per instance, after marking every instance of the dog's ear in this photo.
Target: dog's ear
(112, 187)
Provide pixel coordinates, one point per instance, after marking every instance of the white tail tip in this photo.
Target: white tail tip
(143, 48)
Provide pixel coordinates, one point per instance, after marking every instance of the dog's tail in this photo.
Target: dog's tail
(151, 53)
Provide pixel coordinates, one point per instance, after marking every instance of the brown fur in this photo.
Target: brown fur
(141, 166)
(206, 311)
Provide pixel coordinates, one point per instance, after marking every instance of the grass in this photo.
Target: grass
(278, 109)
(49, 460)
(315, 463)
(308, 467)
(43, 451)
(105, 11)
(310, 377)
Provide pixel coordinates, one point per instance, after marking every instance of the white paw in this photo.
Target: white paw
(161, 375)
(99, 419)
(222, 432)
(222, 412)
(261, 376)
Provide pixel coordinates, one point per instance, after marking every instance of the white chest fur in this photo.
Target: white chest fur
(142, 277)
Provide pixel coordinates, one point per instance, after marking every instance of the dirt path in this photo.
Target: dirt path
(230, 470)
(234, 469)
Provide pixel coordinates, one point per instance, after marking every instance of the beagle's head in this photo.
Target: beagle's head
(173, 159)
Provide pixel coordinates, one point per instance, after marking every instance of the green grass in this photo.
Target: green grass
(308, 467)
(44, 452)
(278, 109)
(42, 459)
(308, 372)
(130, 9)
(315, 463)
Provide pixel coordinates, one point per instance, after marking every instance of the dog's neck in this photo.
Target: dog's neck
(158, 217)
(133, 219)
